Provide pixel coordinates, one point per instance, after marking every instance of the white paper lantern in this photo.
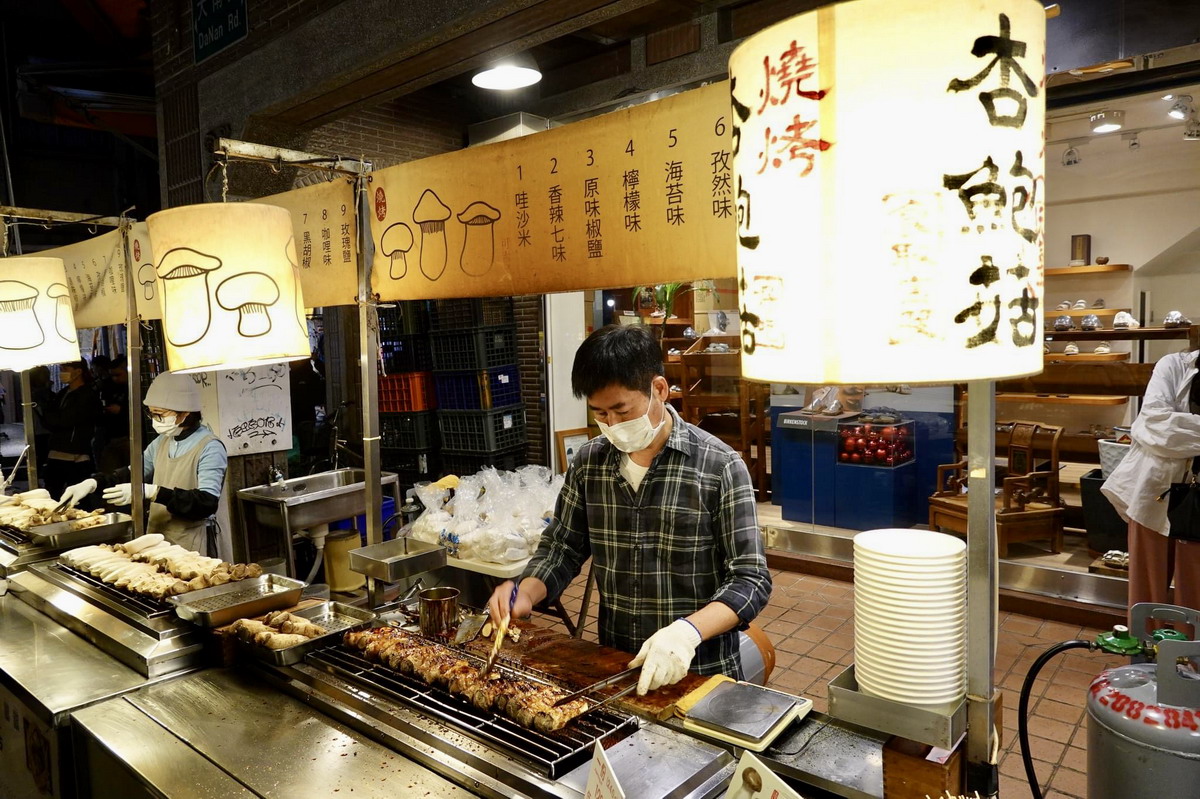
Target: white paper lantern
(230, 287)
(37, 325)
(889, 172)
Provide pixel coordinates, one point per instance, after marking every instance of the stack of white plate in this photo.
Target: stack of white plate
(910, 614)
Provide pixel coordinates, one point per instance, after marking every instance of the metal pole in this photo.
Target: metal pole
(368, 349)
(133, 357)
(31, 458)
(982, 596)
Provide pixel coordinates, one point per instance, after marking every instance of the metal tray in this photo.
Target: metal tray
(60, 535)
(224, 604)
(333, 616)
(392, 561)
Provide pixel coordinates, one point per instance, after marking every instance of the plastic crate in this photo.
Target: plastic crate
(497, 387)
(467, 463)
(407, 318)
(411, 391)
(462, 314)
(416, 430)
(410, 353)
(475, 348)
(410, 465)
(482, 431)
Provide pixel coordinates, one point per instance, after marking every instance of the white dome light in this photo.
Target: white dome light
(512, 73)
(1107, 121)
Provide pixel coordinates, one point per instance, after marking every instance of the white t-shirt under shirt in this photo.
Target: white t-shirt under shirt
(632, 471)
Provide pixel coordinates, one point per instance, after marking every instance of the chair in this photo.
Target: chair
(1029, 507)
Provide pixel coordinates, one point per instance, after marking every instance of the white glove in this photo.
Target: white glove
(666, 655)
(73, 494)
(122, 493)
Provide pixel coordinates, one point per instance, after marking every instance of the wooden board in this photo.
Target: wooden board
(1062, 399)
(1071, 312)
(1091, 269)
(1098, 566)
(1087, 357)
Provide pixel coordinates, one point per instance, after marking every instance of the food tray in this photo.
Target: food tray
(333, 616)
(60, 535)
(224, 604)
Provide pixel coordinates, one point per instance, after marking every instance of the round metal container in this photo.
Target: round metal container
(1137, 747)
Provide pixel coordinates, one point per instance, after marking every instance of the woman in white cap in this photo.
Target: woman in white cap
(184, 468)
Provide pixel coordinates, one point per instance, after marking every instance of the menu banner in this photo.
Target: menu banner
(638, 196)
(326, 240)
(96, 277)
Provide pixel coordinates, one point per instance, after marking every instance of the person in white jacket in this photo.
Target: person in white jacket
(1166, 437)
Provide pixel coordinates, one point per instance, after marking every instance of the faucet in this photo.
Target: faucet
(275, 474)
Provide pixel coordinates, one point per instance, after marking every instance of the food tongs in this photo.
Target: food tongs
(607, 681)
(499, 633)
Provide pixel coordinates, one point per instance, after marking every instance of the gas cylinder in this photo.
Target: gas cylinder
(1144, 727)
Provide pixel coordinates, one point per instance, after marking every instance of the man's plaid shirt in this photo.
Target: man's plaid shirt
(689, 536)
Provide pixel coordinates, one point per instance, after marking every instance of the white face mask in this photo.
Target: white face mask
(634, 435)
(167, 426)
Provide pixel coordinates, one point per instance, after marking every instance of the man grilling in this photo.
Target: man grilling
(667, 513)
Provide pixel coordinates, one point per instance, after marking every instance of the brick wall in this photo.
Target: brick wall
(531, 355)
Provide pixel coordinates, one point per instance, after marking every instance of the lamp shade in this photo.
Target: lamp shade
(37, 325)
(889, 172)
(230, 286)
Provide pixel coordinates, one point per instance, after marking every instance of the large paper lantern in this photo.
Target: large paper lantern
(37, 325)
(889, 171)
(229, 286)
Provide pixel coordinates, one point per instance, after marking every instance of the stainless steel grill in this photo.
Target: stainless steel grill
(552, 754)
(142, 605)
(12, 536)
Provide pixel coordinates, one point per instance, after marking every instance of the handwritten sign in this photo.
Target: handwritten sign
(248, 409)
(641, 195)
(753, 780)
(326, 240)
(602, 782)
(96, 277)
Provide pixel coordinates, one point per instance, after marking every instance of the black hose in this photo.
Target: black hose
(1023, 706)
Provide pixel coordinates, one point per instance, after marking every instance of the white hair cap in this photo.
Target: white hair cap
(173, 392)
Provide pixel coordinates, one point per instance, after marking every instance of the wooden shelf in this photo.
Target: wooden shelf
(1140, 334)
(1086, 357)
(1091, 269)
(1086, 311)
(1060, 399)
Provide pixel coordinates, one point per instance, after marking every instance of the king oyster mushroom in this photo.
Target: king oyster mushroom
(431, 215)
(146, 277)
(62, 310)
(395, 243)
(16, 308)
(250, 294)
(479, 244)
(184, 273)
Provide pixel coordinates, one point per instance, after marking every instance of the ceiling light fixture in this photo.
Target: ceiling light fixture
(1107, 121)
(515, 72)
(1182, 109)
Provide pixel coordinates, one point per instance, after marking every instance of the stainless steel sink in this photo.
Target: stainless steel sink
(272, 513)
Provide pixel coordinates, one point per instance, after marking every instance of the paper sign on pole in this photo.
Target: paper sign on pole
(602, 782)
(248, 409)
(96, 277)
(326, 240)
(753, 780)
(638, 196)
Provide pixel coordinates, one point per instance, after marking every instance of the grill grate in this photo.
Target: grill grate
(150, 608)
(13, 536)
(553, 754)
(222, 601)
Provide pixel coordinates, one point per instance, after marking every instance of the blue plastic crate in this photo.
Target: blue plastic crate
(497, 387)
(407, 353)
(458, 314)
(474, 348)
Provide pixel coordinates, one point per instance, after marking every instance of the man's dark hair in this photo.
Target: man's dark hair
(622, 355)
(119, 362)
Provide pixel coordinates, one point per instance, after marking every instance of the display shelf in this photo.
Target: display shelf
(1139, 334)
(1086, 357)
(1091, 269)
(1086, 311)
(1061, 399)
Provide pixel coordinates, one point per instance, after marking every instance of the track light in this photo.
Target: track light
(1182, 109)
(1192, 131)
(1071, 157)
(1107, 121)
(515, 72)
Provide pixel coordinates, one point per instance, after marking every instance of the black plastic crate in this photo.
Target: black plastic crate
(497, 387)
(466, 463)
(475, 348)
(408, 353)
(406, 318)
(410, 466)
(461, 314)
(482, 431)
(415, 430)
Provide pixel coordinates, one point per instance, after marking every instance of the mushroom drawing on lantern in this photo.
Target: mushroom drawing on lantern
(250, 294)
(64, 323)
(190, 268)
(395, 243)
(24, 331)
(146, 277)
(479, 245)
(431, 215)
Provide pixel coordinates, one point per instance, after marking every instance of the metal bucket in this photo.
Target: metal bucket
(439, 611)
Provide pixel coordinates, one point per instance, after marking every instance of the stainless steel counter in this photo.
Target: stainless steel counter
(223, 733)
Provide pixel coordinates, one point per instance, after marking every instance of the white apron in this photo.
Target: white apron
(179, 472)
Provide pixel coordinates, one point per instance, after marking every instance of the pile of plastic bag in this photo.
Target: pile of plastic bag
(492, 516)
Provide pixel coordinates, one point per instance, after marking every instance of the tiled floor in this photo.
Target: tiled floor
(810, 621)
